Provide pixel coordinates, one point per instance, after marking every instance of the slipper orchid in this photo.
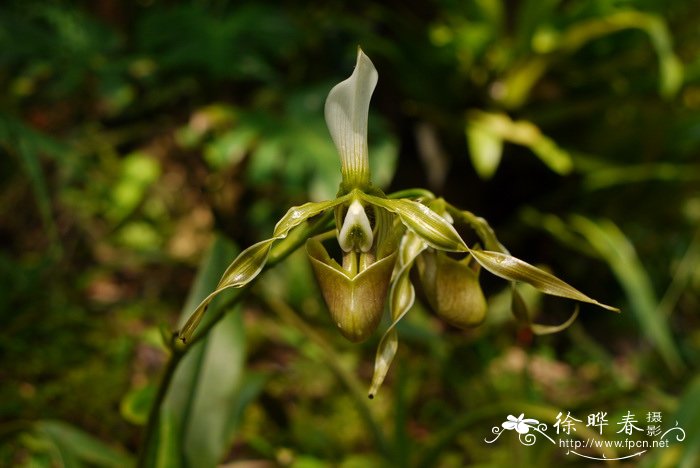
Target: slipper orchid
(382, 238)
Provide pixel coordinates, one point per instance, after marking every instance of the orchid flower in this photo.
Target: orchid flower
(382, 238)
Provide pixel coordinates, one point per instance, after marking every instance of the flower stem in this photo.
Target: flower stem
(279, 252)
(146, 451)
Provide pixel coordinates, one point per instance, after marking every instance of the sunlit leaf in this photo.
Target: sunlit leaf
(485, 149)
(298, 214)
(135, 405)
(619, 253)
(487, 130)
(203, 408)
(670, 67)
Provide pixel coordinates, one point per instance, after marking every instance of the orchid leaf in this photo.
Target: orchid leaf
(486, 132)
(613, 246)
(485, 149)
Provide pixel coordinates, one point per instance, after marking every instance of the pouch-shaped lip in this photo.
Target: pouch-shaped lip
(355, 303)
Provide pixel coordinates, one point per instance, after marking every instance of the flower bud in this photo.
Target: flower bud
(452, 288)
(355, 296)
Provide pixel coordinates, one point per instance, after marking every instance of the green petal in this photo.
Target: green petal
(246, 266)
(521, 314)
(428, 225)
(298, 214)
(514, 269)
(485, 149)
(402, 297)
(249, 263)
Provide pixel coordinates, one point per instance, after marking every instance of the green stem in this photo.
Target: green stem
(279, 252)
(146, 451)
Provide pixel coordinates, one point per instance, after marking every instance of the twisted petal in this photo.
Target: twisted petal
(402, 297)
(514, 269)
(249, 263)
(521, 314)
(347, 108)
(432, 228)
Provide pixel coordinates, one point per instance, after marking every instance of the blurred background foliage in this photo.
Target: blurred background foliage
(144, 141)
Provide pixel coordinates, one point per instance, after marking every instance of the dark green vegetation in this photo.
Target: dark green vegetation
(144, 141)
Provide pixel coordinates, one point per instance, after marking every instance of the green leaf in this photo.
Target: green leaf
(487, 130)
(485, 149)
(684, 450)
(203, 407)
(167, 451)
(611, 244)
(514, 269)
(670, 67)
(138, 172)
(428, 225)
(75, 445)
(134, 406)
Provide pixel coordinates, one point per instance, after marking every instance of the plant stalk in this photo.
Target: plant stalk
(280, 251)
